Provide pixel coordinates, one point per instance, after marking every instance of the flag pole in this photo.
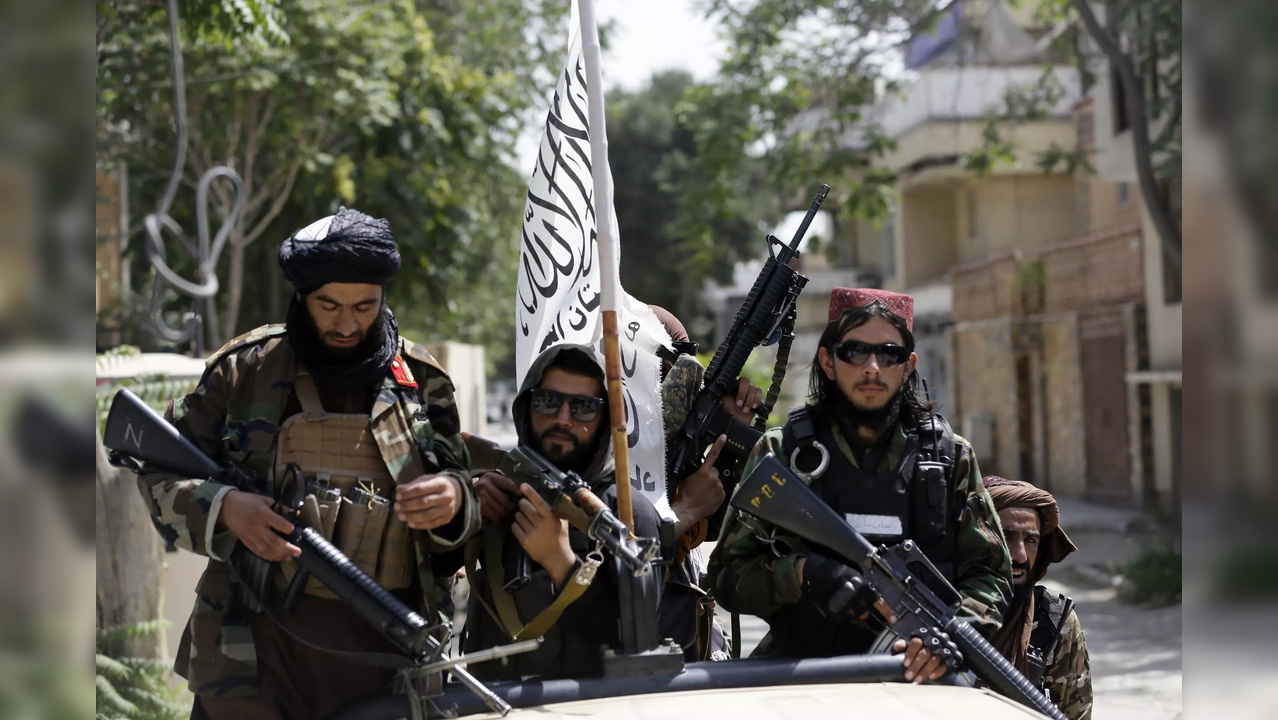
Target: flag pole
(601, 174)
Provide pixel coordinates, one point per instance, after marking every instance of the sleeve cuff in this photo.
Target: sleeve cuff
(469, 514)
(218, 544)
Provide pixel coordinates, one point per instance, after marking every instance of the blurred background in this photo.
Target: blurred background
(1025, 169)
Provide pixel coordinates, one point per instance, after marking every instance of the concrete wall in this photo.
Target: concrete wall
(465, 366)
(1002, 213)
(985, 390)
(927, 232)
(1065, 462)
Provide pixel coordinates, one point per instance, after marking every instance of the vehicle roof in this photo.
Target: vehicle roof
(844, 701)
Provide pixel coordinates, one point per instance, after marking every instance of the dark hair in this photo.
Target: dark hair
(823, 392)
(577, 362)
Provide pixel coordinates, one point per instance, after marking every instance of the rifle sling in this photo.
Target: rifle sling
(505, 613)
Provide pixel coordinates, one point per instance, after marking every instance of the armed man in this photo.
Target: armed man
(565, 596)
(871, 445)
(1041, 635)
(369, 419)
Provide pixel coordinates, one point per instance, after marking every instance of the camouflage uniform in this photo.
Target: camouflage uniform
(748, 576)
(1068, 678)
(235, 414)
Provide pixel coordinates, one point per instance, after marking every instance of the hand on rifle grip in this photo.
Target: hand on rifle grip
(252, 519)
(837, 590)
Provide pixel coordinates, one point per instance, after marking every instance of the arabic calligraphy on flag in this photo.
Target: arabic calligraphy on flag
(557, 296)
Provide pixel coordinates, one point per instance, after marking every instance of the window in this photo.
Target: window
(1124, 194)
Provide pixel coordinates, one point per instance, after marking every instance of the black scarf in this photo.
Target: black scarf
(363, 369)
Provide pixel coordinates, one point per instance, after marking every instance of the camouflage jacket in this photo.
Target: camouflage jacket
(235, 414)
(748, 576)
(1069, 677)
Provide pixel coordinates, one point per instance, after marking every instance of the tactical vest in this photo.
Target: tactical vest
(349, 492)
(1050, 611)
(911, 501)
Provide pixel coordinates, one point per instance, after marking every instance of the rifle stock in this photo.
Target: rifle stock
(921, 600)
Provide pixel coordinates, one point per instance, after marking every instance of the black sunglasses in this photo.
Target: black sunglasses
(858, 353)
(582, 407)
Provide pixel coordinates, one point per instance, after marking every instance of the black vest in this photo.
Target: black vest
(910, 501)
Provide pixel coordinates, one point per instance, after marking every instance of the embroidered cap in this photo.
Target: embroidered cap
(844, 299)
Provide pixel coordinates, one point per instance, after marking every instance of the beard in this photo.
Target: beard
(575, 459)
(358, 366)
(876, 419)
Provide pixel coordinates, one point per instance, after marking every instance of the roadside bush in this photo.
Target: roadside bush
(1154, 576)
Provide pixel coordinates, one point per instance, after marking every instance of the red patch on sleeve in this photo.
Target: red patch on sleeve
(402, 375)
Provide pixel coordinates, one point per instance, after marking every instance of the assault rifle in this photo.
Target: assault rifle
(573, 500)
(913, 597)
(769, 305)
(136, 434)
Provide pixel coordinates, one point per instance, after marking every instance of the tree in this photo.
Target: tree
(401, 109)
(799, 78)
(1141, 41)
(650, 146)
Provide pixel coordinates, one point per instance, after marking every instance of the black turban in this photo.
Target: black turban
(349, 247)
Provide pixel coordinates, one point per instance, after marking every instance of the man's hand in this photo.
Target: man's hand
(920, 664)
(428, 502)
(543, 536)
(838, 591)
(701, 493)
(497, 496)
(250, 518)
(742, 405)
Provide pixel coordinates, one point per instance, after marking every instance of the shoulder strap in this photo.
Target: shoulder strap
(308, 396)
(505, 613)
(799, 438)
(933, 515)
(1050, 611)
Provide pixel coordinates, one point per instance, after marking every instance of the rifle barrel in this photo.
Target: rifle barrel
(807, 219)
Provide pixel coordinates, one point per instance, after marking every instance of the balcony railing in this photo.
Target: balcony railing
(959, 93)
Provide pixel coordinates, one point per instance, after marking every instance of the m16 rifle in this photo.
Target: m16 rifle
(141, 440)
(766, 311)
(913, 597)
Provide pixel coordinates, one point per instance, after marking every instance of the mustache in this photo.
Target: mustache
(561, 433)
(872, 383)
(1021, 566)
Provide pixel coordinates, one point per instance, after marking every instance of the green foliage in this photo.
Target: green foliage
(653, 152)
(787, 110)
(1154, 576)
(135, 688)
(404, 110)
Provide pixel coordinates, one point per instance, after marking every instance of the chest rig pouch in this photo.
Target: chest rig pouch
(349, 491)
(910, 501)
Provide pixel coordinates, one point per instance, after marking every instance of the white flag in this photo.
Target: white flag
(557, 300)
